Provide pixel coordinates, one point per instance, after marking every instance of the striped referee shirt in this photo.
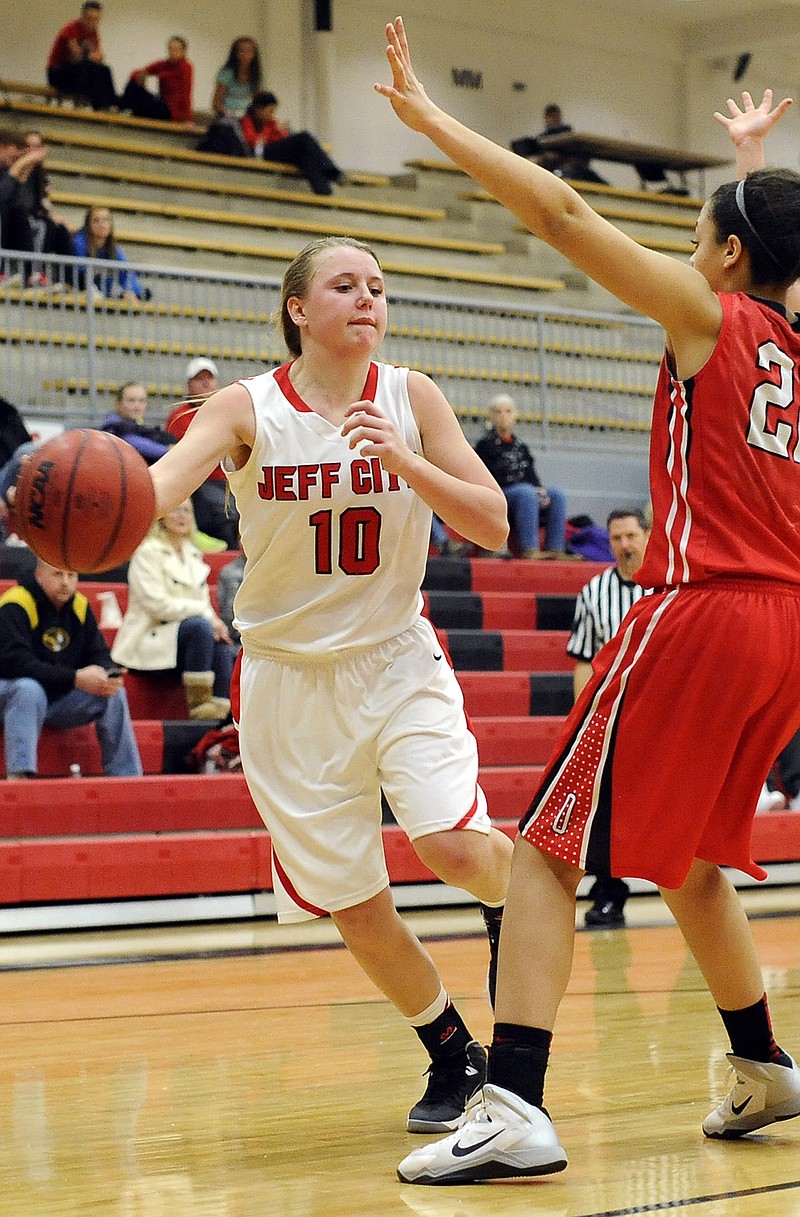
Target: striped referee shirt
(599, 611)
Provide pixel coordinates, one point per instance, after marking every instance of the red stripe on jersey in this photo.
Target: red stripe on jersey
(236, 689)
(294, 399)
(292, 892)
(464, 821)
(679, 520)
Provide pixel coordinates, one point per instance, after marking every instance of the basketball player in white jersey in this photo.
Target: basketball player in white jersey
(336, 463)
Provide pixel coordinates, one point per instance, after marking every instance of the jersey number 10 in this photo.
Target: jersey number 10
(358, 541)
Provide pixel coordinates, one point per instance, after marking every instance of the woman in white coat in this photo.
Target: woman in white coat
(170, 623)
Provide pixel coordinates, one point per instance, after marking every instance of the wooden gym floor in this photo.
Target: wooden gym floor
(245, 1069)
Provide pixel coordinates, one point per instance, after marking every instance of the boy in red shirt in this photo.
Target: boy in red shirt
(75, 64)
(175, 76)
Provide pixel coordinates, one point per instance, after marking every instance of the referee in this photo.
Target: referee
(599, 610)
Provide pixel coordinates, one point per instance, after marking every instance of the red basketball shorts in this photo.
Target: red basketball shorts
(663, 755)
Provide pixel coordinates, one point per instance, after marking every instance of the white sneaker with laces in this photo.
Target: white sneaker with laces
(762, 1094)
(502, 1137)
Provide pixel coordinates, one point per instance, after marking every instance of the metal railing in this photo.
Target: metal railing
(71, 338)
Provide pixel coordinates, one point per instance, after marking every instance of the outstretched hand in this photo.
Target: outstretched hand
(752, 121)
(409, 100)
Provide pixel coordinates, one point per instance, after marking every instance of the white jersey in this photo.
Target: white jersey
(336, 547)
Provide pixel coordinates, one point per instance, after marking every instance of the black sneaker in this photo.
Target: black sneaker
(452, 1081)
(607, 915)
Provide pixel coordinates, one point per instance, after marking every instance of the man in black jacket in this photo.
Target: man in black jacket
(55, 671)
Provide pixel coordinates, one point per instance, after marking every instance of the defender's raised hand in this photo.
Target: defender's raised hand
(751, 121)
(409, 100)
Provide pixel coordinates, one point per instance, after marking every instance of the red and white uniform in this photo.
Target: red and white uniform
(664, 753)
(344, 688)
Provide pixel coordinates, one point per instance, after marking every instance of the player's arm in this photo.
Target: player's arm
(748, 127)
(224, 425)
(652, 283)
(448, 475)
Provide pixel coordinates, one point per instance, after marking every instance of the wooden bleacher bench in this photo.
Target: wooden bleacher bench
(650, 161)
(263, 194)
(29, 89)
(529, 283)
(100, 118)
(272, 223)
(662, 198)
(252, 164)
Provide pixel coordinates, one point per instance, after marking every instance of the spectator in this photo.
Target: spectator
(448, 546)
(269, 139)
(95, 239)
(563, 164)
(174, 75)
(49, 233)
(213, 506)
(17, 164)
(228, 584)
(510, 462)
(126, 422)
(170, 624)
(75, 64)
(599, 612)
(55, 671)
(238, 80)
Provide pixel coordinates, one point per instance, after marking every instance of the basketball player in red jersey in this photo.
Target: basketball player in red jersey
(336, 461)
(709, 664)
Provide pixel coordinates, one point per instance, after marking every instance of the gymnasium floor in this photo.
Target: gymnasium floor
(244, 1069)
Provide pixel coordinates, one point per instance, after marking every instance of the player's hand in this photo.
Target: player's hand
(408, 98)
(96, 680)
(751, 121)
(375, 435)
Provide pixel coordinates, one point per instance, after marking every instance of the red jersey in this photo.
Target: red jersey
(178, 424)
(270, 133)
(725, 456)
(174, 85)
(74, 31)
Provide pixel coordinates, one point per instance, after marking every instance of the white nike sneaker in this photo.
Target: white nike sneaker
(502, 1137)
(762, 1094)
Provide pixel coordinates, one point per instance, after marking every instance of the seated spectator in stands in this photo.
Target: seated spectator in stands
(95, 239)
(17, 165)
(786, 770)
(228, 583)
(562, 164)
(49, 233)
(238, 80)
(213, 504)
(170, 623)
(272, 141)
(75, 64)
(15, 442)
(125, 420)
(530, 504)
(55, 671)
(174, 75)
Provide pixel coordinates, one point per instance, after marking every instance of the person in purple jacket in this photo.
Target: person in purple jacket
(125, 420)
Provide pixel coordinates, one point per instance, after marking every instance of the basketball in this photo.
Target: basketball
(84, 501)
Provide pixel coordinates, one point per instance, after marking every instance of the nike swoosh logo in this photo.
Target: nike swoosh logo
(462, 1151)
(437, 658)
(737, 1111)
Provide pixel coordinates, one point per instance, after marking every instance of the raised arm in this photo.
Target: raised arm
(748, 127)
(650, 282)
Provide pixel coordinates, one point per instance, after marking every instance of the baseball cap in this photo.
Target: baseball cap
(201, 365)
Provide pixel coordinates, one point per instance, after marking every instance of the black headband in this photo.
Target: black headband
(746, 218)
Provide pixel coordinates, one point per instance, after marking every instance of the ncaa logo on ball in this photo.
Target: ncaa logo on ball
(41, 495)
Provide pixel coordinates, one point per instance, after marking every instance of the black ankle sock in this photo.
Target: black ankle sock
(518, 1060)
(750, 1033)
(446, 1035)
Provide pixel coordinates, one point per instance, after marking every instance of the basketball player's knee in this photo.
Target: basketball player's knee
(457, 856)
